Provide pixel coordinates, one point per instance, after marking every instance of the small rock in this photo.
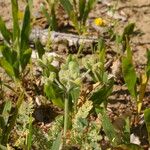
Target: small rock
(134, 139)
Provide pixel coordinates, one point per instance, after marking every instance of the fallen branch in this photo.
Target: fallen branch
(56, 37)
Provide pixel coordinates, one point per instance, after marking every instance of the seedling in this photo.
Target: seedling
(78, 12)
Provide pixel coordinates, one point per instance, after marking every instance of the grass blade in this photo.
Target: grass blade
(16, 29)
(128, 31)
(89, 6)
(6, 111)
(148, 63)
(67, 6)
(25, 58)
(25, 32)
(143, 84)
(147, 121)
(40, 48)
(82, 4)
(30, 134)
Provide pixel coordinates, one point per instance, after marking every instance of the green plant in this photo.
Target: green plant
(24, 128)
(130, 77)
(124, 38)
(147, 121)
(15, 57)
(85, 132)
(62, 87)
(51, 14)
(96, 70)
(15, 50)
(78, 11)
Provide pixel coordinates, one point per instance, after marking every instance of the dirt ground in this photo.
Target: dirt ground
(136, 11)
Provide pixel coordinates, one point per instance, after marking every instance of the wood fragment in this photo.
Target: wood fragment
(57, 37)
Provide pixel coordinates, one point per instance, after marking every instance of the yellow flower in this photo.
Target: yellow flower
(99, 22)
(20, 15)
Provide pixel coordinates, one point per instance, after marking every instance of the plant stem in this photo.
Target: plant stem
(66, 116)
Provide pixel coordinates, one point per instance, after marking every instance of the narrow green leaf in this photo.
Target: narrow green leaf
(147, 121)
(89, 6)
(53, 20)
(148, 63)
(7, 67)
(30, 3)
(6, 111)
(128, 30)
(7, 54)
(57, 144)
(55, 94)
(4, 31)
(16, 29)
(126, 36)
(25, 58)
(129, 146)
(101, 94)
(40, 48)
(67, 6)
(142, 90)
(129, 73)
(25, 32)
(102, 53)
(10, 58)
(44, 11)
(82, 4)
(30, 134)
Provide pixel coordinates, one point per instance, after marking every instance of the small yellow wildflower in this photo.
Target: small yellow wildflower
(20, 15)
(99, 22)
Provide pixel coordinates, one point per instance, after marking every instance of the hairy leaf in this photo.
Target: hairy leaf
(109, 129)
(57, 144)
